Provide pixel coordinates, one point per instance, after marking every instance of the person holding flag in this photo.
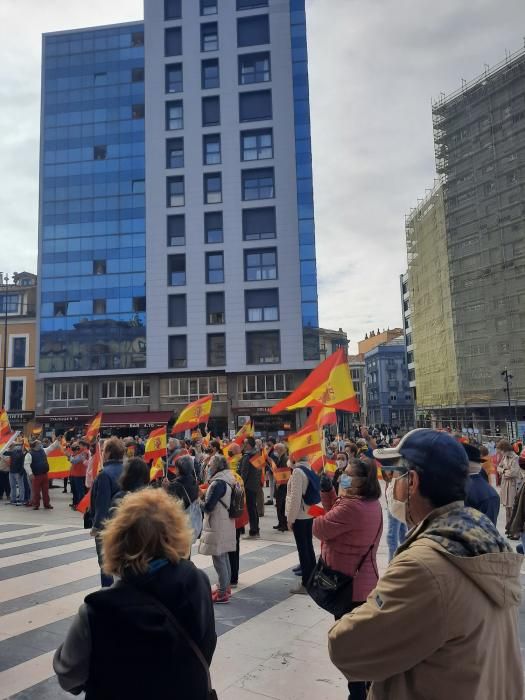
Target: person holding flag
(251, 476)
(281, 474)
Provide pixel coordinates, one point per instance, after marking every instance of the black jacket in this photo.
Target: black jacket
(250, 474)
(482, 497)
(185, 485)
(17, 460)
(121, 647)
(39, 463)
(104, 488)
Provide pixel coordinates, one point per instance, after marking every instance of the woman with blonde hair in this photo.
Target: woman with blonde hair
(152, 634)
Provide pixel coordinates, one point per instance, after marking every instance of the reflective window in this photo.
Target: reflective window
(208, 7)
(212, 188)
(261, 305)
(253, 30)
(177, 310)
(174, 77)
(254, 68)
(257, 144)
(260, 264)
(215, 309)
(176, 270)
(176, 230)
(214, 268)
(251, 4)
(175, 191)
(18, 351)
(216, 349)
(263, 347)
(137, 75)
(211, 149)
(99, 306)
(255, 106)
(213, 231)
(175, 153)
(15, 395)
(258, 184)
(177, 351)
(209, 37)
(174, 115)
(258, 223)
(172, 9)
(211, 111)
(210, 74)
(173, 41)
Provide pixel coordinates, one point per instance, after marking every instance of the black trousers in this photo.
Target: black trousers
(4, 485)
(234, 556)
(302, 531)
(251, 505)
(280, 503)
(358, 690)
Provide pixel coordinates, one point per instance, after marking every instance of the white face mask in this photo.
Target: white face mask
(397, 508)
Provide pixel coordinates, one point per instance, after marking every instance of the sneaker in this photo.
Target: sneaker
(299, 590)
(218, 598)
(234, 585)
(215, 589)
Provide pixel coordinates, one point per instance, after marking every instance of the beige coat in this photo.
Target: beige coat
(439, 626)
(218, 529)
(510, 471)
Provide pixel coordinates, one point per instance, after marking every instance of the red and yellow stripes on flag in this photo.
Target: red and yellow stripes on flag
(193, 415)
(247, 430)
(329, 385)
(6, 434)
(258, 461)
(93, 428)
(155, 445)
(84, 504)
(59, 464)
(157, 469)
(306, 442)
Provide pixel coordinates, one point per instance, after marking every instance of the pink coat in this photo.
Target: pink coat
(346, 532)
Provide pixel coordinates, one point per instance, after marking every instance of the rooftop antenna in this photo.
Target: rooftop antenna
(487, 67)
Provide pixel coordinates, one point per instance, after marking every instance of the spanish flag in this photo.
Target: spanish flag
(157, 469)
(155, 445)
(247, 430)
(6, 434)
(193, 415)
(258, 461)
(321, 416)
(329, 384)
(59, 464)
(85, 503)
(93, 428)
(305, 442)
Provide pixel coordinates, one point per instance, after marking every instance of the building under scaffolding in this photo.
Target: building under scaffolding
(466, 248)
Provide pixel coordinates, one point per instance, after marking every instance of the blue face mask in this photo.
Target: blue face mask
(345, 481)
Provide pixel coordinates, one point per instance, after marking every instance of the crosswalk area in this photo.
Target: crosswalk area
(46, 571)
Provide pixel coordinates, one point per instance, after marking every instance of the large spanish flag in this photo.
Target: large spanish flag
(93, 428)
(193, 415)
(155, 445)
(59, 464)
(305, 442)
(329, 385)
(245, 431)
(6, 434)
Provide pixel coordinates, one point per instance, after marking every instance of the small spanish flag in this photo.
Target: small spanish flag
(258, 461)
(193, 415)
(247, 430)
(155, 445)
(59, 464)
(157, 469)
(305, 442)
(93, 428)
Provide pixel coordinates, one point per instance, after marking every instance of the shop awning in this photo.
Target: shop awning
(134, 418)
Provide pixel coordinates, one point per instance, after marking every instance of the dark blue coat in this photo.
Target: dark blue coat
(482, 497)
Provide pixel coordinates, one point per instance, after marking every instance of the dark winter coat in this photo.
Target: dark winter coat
(104, 488)
(249, 474)
(121, 647)
(482, 497)
(185, 485)
(39, 463)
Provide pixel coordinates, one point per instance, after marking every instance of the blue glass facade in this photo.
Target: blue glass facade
(92, 218)
(303, 160)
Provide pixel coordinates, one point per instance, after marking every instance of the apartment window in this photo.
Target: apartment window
(176, 230)
(255, 106)
(174, 77)
(210, 74)
(12, 302)
(257, 184)
(175, 153)
(100, 152)
(137, 75)
(214, 268)
(211, 149)
(99, 267)
(100, 78)
(177, 351)
(60, 308)
(174, 115)
(16, 394)
(173, 41)
(216, 347)
(251, 4)
(175, 191)
(213, 231)
(18, 351)
(138, 186)
(215, 308)
(172, 9)
(261, 305)
(252, 31)
(254, 68)
(209, 37)
(176, 270)
(211, 111)
(212, 188)
(258, 224)
(263, 347)
(139, 304)
(138, 111)
(208, 7)
(137, 39)
(260, 264)
(177, 315)
(125, 389)
(257, 145)
(99, 306)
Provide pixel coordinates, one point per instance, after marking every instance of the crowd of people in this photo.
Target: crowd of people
(450, 593)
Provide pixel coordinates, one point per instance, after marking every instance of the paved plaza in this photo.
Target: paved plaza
(271, 644)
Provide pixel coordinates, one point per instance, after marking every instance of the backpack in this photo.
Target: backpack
(313, 490)
(236, 508)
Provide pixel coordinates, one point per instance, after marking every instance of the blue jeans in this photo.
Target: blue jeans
(78, 488)
(396, 535)
(105, 580)
(17, 480)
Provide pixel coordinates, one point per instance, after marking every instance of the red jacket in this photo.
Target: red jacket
(78, 468)
(346, 532)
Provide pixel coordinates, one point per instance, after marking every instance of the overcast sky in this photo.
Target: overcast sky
(374, 67)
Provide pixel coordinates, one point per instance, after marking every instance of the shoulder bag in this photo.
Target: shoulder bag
(194, 512)
(331, 589)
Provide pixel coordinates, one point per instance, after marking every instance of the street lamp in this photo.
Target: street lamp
(5, 280)
(508, 377)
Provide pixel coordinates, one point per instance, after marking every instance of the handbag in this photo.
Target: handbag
(212, 694)
(195, 515)
(331, 589)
